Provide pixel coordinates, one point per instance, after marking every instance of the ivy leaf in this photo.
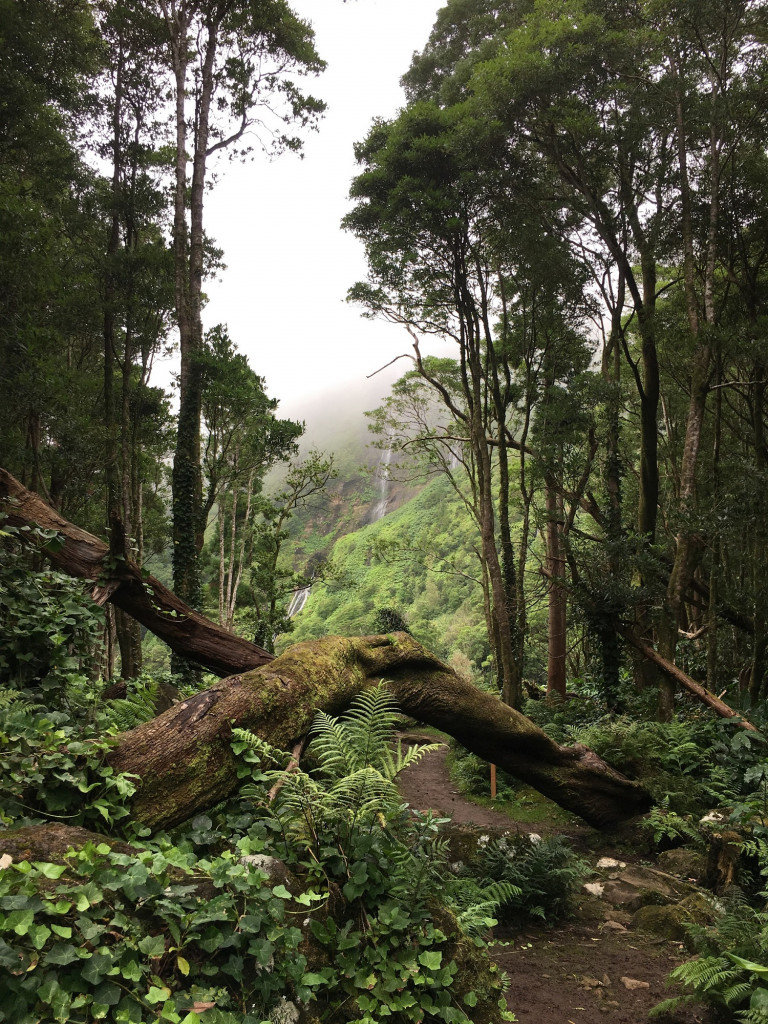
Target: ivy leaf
(152, 945)
(431, 959)
(63, 953)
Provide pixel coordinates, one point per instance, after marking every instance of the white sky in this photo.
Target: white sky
(289, 264)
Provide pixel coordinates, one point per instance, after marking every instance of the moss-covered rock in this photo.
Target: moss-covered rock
(667, 922)
(684, 863)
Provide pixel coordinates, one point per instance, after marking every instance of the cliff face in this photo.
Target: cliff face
(363, 491)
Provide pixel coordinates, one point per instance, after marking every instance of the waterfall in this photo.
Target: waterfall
(298, 601)
(382, 484)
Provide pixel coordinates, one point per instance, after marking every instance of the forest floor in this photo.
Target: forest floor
(577, 971)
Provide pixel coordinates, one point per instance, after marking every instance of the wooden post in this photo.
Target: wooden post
(493, 782)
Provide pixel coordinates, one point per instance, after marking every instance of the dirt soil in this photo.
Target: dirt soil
(578, 971)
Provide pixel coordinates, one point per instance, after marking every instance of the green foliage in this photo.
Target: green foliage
(346, 825)
(729, 971)
(417, 560)
(53, 769)
(671, 829)
(138, 704)
(195, 920)
(687, 765)
(544, 872)
(121, 936)
(50, 631)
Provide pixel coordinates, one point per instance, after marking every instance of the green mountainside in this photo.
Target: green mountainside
(390, 546)
(419, 561)
(416, 560)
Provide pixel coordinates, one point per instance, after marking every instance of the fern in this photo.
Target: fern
(17, 699)
(476, 905)
(137, 706)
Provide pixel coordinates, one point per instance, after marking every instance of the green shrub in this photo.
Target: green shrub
(53, 768)
(545, 873)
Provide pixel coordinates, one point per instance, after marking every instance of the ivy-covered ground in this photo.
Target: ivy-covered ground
(569, 972)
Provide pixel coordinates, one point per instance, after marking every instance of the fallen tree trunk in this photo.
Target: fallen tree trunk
(145, 599)
(677, 674)
(183, 758)
(185, 763)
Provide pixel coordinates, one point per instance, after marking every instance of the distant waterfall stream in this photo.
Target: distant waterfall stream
(380, 508)
(298, 601)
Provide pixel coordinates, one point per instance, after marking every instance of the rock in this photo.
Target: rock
(666, 922)
(633, 983)
(713, 818)
(683, 863)
(608, 863)
(614, 926)
(700, 908)
(594, 888)
(620, 916)
(590, 909)
(587, 982)
(639, 886)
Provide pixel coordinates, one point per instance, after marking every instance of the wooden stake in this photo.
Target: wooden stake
(493, 782)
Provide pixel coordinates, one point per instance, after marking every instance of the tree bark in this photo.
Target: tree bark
(146, 600)
(678, 676)
(185, 763)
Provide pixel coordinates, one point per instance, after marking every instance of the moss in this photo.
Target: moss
(667, 922)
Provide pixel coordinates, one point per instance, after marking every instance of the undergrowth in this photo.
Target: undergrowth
(362, 924)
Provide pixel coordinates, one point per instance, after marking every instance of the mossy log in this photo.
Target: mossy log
(51, 842)
(185, 763)
(144, 598)
(183, 758)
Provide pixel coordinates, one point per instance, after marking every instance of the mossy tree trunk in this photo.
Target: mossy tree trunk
(185, 763)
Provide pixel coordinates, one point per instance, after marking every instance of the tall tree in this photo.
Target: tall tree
(230, 64)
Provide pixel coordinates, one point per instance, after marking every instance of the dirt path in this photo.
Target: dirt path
(579, 971)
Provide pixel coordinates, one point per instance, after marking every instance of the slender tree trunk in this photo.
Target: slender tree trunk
(557, 598)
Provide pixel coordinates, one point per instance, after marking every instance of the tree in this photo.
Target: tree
(269, 579)
(243, 441)
(229, 62)
(429, 210)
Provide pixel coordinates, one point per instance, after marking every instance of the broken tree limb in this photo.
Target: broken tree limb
(121, 582)
(673, 672)
(185, 763)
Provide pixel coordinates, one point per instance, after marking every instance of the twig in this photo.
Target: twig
(292, 766)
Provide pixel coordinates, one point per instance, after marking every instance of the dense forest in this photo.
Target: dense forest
(554, 548)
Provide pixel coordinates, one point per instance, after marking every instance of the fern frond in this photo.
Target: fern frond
(394, 763)
(706, 973)
(754, 1015)
(732, 995)
(331, 745)
(17, 699)
(244, 739)
(137, 706)
(369, 725)
(667, 1006)
(365, 792)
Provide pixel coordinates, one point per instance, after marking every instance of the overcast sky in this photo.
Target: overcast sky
(289, 265)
